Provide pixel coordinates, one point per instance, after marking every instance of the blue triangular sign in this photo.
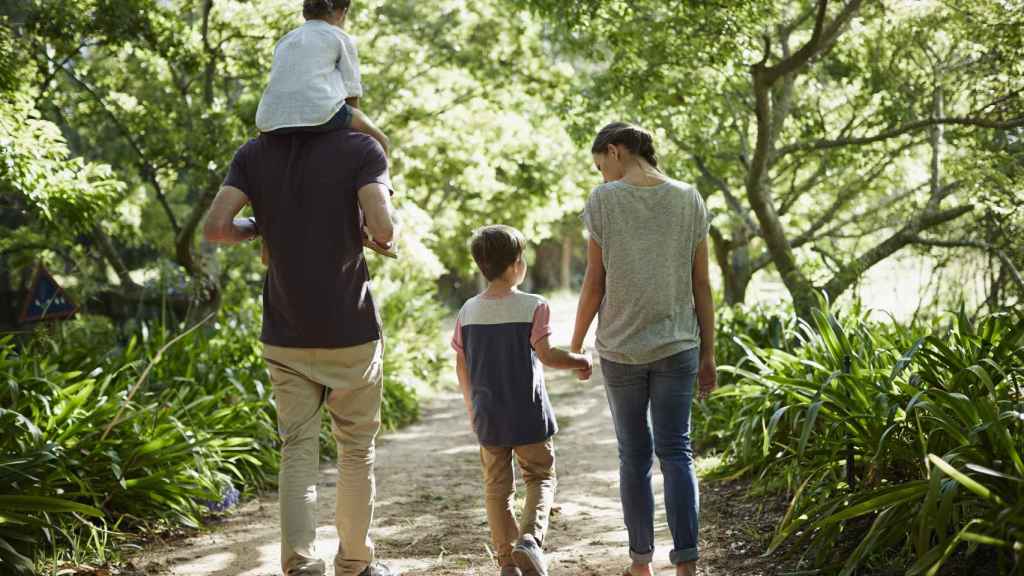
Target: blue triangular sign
(46, 300)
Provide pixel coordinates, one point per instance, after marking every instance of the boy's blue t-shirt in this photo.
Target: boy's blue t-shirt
(506, 379)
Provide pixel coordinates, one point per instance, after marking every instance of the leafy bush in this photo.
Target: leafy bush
(902, 442)
(74, 442)
(82, 455)
(406, 291)
(739, 328)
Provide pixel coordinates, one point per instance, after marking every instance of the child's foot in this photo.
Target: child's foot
(510, 571)
(529, 557)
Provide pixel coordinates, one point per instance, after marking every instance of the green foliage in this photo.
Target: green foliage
(414, 354)
(465, 91)
(39, 174)
(876, 427)
(739, 328)
(684, 70)
(202, 422)
(164, 92)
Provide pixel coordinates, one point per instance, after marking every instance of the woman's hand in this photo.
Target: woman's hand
(707, 376)
(584, 374)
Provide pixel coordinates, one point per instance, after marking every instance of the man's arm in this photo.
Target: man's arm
(705, 305)
(221, 225)
(375, 201)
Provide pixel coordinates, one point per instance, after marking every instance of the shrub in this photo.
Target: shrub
(901, 441)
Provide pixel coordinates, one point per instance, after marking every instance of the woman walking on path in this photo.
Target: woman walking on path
(647, 274)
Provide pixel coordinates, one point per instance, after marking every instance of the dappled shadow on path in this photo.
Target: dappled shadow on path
(430, 518)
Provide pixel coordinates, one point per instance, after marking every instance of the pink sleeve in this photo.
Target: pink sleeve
(541, 323)
(457, 337)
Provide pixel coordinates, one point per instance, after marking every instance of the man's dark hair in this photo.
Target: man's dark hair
(320, 9)
(495, 248)
(635, 139)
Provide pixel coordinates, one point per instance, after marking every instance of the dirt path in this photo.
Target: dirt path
(430, 518)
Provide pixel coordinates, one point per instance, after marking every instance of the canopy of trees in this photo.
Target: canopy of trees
(827, 136)
(831, 135)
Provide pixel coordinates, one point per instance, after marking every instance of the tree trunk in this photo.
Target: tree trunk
(733, 259)
(759, 196)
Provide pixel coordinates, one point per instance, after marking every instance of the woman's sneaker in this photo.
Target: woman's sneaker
(529, 557)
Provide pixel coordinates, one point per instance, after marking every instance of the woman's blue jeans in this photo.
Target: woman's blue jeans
(665, 390)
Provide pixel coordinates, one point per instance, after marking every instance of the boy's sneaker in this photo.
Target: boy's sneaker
(510, 571)
(377, 569)
(529, 557)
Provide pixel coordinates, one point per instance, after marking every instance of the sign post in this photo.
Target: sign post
(46, 300)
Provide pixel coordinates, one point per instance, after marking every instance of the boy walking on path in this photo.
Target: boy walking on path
(501, 340)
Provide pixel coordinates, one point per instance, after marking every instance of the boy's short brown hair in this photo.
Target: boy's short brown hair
(495, 248)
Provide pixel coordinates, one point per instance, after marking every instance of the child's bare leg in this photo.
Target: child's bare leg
(362, 123)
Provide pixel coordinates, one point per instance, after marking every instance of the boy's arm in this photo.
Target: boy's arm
(558, 358)
(463, 373)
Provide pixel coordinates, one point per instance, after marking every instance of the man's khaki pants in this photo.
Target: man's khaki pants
(349, 381)
(537, 463)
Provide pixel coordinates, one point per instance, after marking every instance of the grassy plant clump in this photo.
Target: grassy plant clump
(91, 450)
(890, 440)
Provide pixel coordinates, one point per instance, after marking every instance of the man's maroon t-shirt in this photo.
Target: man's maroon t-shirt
(303, 189)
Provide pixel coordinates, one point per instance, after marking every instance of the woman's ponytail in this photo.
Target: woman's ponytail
(320, 9)
(633, 138)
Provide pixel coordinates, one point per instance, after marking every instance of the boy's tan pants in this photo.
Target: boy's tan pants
(537, 463)
(349, 381)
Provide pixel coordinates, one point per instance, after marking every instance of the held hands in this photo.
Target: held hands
(707, 376)
(584, 374)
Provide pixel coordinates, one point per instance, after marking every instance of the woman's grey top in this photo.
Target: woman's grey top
(648, 237)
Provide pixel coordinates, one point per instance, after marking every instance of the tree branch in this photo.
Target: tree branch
(796, 191)
(845, 278)
(106, 248)
(147, 169)
(730, 198)
(184, 240)
(825, 144)
(1003, 257)
(821, 40)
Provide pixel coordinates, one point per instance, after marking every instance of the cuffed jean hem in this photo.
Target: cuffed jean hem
(645, 558)
(678, 557)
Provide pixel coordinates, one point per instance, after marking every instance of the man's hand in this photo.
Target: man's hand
(707, 376)
(382, 248)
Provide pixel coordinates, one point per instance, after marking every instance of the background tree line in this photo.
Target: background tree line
(826, 136)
